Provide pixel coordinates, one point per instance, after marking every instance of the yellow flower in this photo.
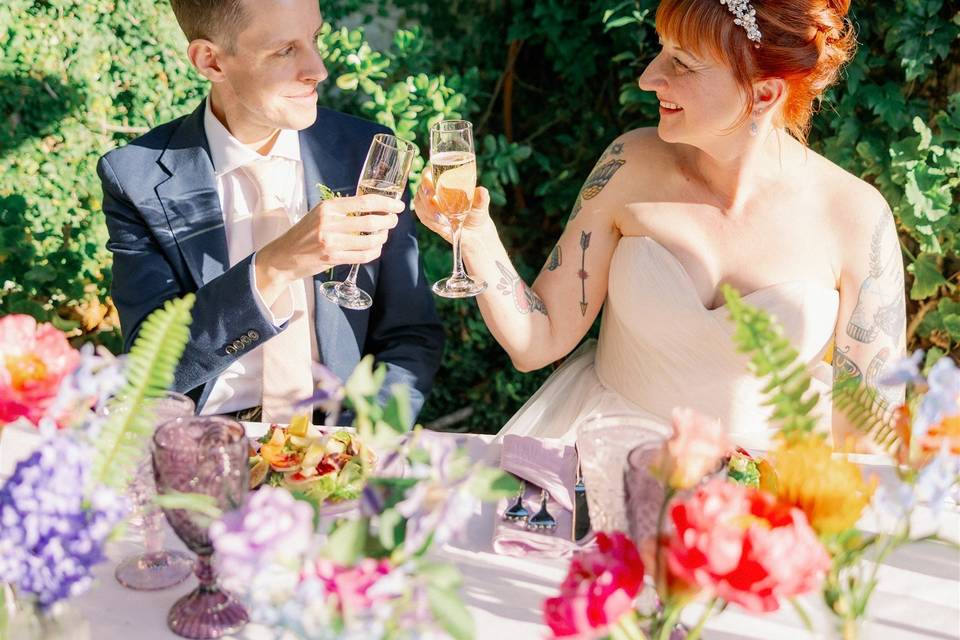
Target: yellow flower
(831, 491)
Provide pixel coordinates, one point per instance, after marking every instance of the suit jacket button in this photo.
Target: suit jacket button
(237, 345)
(253, 335)
(245, 339)
(230, 349)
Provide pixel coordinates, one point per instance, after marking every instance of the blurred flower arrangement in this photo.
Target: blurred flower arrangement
(760, 532)
(301, 568)
(63, 501)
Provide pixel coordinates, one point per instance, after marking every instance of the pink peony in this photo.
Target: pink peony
(34, 359)
(599, 589)
(744, 546)
(351, 585)
(697, 445)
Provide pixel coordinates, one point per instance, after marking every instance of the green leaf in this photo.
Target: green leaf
(345, 544)
(149, 373)
(440, 576)
(398, 413)
(198, 502)
(489, 484)
(449, 611)
(927, 277)
(391, 529)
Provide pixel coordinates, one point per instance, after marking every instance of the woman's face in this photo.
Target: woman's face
(700, 99)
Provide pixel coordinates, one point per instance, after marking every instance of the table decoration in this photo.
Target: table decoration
(367, 574)
(735, 528)
(63, 500)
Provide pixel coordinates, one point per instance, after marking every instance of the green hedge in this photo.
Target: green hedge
(547, 82)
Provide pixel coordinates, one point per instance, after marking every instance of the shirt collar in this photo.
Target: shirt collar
(228, 153)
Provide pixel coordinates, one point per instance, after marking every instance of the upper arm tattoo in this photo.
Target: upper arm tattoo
(844, 368)
(524, 298)
(881, 307)
(606, 167)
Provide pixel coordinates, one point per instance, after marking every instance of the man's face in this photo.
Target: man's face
(272, 74)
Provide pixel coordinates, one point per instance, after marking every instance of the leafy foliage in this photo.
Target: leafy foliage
(548, 84)
(774, 359)
(866, 411)
(149, 372)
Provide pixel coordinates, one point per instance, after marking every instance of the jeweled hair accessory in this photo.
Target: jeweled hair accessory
(746, 17)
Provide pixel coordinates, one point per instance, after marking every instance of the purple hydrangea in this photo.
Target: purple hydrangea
(940, 401)
(272, 526)
(51, 535)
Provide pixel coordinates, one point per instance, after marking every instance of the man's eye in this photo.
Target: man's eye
(284, 53)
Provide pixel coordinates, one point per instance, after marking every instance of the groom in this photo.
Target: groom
(223, 203)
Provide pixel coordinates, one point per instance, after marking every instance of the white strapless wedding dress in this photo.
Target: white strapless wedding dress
(660, 348)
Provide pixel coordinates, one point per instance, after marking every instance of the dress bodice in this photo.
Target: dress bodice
(660, 347)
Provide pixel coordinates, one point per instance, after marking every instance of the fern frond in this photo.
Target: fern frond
(149, 373)
(867, 411)
(774, 359)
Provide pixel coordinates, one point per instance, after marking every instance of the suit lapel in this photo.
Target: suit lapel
(190, 200)
(337, 338)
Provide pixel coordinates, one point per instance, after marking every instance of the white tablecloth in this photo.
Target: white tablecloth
(918, 595)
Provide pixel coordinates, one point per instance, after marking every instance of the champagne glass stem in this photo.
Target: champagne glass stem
(457, 228)
(351, 281)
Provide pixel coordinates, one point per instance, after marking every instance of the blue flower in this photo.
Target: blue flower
(51, 534)
(906, 370)
(940, 401)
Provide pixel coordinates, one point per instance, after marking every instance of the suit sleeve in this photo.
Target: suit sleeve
(227, 322)
(405, 332)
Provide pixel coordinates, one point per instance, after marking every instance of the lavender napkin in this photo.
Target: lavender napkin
(545, 463)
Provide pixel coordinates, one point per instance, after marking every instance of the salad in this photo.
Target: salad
(322, 466)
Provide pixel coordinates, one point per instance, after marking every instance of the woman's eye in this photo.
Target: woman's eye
(680, 65)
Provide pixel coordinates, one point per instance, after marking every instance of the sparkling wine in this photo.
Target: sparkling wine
(380, 188)
(455, 177)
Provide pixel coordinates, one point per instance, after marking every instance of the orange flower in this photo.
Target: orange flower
(830, 491)
(946, 432)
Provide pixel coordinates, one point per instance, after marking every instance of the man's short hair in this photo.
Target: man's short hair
(219, 21)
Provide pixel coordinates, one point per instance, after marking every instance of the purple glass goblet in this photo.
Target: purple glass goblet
(205, 455)
(156, 568)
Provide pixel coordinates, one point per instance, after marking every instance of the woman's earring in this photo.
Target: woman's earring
(754, 129)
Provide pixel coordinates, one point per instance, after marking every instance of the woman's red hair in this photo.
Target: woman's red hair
(805, 42)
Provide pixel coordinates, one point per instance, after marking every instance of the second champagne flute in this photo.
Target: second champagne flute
(384, 173)
(454, 166)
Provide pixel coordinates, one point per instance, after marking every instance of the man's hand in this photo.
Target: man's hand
(335, 232)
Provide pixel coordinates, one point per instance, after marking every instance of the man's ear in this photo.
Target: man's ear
(205, 57)
(768, 93)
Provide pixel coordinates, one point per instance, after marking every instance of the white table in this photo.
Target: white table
(918, 595)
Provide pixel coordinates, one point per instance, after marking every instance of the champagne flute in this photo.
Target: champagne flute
(384, 173)
(454, 166)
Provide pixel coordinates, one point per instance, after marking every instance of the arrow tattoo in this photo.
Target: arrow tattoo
(582, 274)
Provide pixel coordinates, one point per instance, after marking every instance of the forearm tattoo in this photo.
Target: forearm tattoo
(606, 167)
(881, 307)
(582, 274)
(555, 259)
(524, 298)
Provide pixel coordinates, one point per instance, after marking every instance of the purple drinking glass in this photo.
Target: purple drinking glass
(156, 568)
(205, 455)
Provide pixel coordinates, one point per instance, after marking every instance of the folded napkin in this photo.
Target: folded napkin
(545, 463)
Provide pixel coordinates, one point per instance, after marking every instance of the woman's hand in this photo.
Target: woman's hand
(427, 206)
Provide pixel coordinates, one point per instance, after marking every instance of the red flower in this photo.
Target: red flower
(599, 588)
(34, 359)
(744, 546)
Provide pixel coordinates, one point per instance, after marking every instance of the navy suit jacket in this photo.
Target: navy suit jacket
(167, 238)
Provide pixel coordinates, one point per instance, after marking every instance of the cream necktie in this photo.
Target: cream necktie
(287, 376)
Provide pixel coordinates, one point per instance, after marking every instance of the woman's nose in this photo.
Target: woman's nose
(653, 78)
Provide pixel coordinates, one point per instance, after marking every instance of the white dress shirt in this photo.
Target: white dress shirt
(239, 386)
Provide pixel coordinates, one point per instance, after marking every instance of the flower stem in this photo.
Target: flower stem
(697, 630)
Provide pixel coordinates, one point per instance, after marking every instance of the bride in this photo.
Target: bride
(724, 190)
